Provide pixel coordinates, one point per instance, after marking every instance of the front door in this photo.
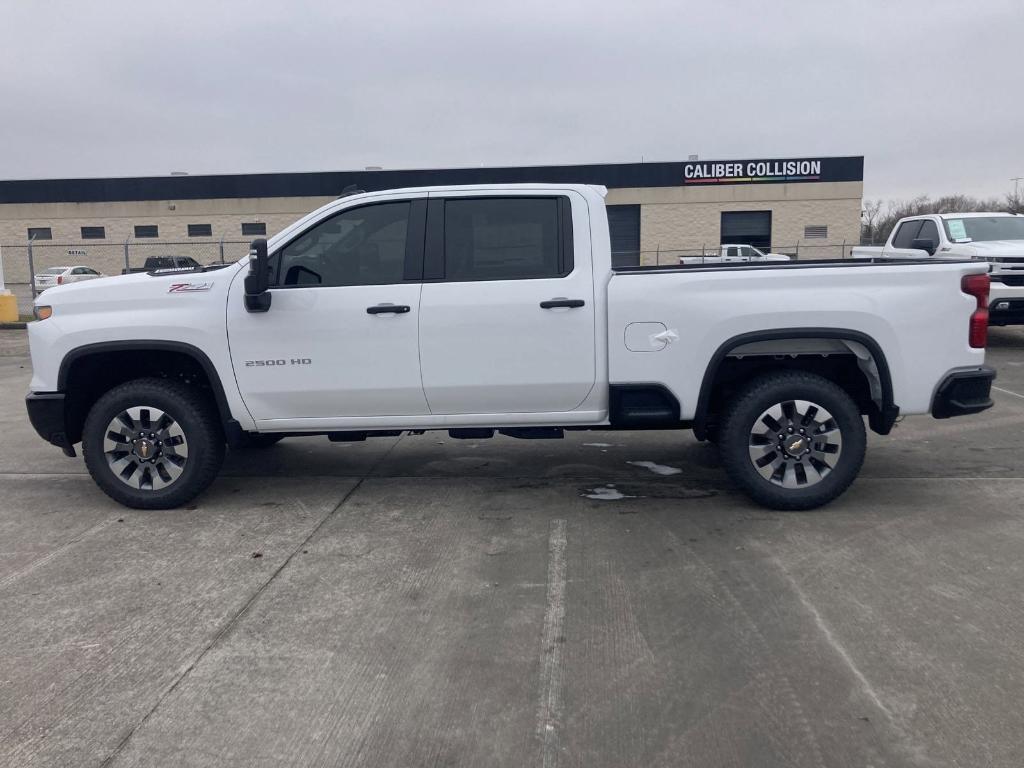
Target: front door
(507, 310)
(340, 338)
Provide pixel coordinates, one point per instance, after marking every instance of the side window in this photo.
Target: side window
(732, 252)
(906, 233)
(507, 238)
(929, 231)
(359, 246)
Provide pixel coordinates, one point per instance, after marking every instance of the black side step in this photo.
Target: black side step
(533, 433)
(359, 436)
(471, 433)
(640, 406)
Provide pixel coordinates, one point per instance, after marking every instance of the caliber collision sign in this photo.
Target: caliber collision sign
(784, 171)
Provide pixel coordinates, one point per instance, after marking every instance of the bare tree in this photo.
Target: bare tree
(869, 216)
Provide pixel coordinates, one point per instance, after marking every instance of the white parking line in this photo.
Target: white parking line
(549, 709)
(1008, 392)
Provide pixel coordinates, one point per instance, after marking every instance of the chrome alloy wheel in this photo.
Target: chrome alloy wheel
(145, 448)
(795, 444)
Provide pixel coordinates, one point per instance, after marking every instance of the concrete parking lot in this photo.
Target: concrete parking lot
(428, 601)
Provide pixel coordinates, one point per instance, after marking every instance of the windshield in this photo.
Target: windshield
(981, 228)
(56, 271)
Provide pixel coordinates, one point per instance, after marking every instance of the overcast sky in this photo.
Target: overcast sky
(929, 92)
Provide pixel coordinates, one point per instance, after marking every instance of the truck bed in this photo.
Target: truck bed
(915, 311)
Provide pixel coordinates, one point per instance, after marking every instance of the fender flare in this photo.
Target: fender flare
(160, 345)
(881, 420)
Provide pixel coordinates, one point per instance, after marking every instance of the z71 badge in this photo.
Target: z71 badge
(189, 287)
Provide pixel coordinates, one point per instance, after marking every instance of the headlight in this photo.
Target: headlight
(42, 311)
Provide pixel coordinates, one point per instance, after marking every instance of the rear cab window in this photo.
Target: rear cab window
(499, 238)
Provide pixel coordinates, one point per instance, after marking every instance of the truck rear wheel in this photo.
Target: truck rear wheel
(792, 440)
(153, 443)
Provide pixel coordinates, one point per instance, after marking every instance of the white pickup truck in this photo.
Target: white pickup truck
(732, 252)
(996, 238)
(475, 309)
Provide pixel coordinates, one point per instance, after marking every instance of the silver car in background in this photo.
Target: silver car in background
(62, 275)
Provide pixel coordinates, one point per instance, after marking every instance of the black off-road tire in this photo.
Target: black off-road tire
(198, 420)
(743, 415)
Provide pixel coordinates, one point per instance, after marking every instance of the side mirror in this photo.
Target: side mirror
(925, 244)
(257, 282)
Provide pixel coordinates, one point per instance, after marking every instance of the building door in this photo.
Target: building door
(747, 228)
(624, 231)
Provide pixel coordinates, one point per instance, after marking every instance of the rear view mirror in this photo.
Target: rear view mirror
(257, 282)
(924, 244)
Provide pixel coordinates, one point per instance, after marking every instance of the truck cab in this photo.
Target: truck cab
(995, 237)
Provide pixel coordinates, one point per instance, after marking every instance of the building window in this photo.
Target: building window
(40, 233)
(200, 230)
(146, 230)
(816, 231)
(93, 233)
(253, 228)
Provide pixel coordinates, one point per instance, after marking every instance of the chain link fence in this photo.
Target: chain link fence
(23, 260)
(800, 251)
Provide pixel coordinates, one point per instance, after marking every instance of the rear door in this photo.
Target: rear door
(507, 315)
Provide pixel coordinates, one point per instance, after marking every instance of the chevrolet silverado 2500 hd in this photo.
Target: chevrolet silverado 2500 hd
(997, 238)
(483, 308)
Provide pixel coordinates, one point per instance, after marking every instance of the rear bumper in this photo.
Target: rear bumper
(1006, 312)
(46, 412)
(964, 392)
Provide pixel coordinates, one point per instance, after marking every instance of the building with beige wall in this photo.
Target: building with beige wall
(808, 207)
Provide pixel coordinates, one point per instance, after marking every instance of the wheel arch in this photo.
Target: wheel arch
(75, 360)
(881, 416)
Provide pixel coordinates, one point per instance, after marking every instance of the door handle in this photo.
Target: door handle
(560, 302)
(388, 309)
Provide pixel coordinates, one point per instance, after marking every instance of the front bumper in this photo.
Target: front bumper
(1006, 312)
(964, 392)
(47, 414)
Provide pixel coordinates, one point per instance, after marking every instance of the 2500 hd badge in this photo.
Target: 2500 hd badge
(263, 363)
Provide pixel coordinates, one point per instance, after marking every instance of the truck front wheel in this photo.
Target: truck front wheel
(792, 440)
(153, 443)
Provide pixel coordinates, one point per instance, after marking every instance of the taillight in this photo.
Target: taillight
(60, 279)
(977, 286)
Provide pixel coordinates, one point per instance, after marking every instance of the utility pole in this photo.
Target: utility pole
(1016, 185)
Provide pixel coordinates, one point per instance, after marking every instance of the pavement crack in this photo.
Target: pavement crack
(41, 561)
(240, 613)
